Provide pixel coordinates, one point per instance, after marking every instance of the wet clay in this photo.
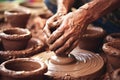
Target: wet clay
(116, 74)
(112, 50)
(34, 46)
(92, 39)
(34, 5)
(15, 38)
(79, 65)
(22, 69)
(17, 17)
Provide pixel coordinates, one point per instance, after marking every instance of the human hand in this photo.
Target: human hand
(65, 38)
(53, 23)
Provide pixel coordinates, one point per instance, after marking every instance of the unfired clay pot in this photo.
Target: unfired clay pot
(112, 50)
(113, 37)
(17, 17)
(79, 65)
(92, 39)
(116, 74)
(36, 8)
(33, 5)
(15, 38)
(22, 69)
(34, 46)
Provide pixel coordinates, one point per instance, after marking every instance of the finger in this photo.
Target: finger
(65, 46)
(51, 21)
(59, 42)
(72, 47)
(47, 31)
(57, 23)
(55, 35)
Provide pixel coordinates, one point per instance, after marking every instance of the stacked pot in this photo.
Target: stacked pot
(112, 50)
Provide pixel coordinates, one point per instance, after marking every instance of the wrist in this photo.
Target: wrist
(62, 10)
(83, 13)
(64, 6)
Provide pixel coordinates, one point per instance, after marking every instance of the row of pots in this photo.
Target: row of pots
(18, 42)
(19, 13)
(111, 48)
(14, 41)
(96, 40)
(27, 69)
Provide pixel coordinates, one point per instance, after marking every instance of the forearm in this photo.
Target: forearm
(97, 8)
(64, 5)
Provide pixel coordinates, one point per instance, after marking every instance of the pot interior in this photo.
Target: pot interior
(33, 5)
(16, 11)
(14, 32)
(21, 65)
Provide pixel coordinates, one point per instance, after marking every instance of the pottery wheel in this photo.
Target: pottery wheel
(34, 46)
(88, 66)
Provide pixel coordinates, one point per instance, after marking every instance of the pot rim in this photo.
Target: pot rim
(27, 34)
(17, 74)
(111, 38)
(100, 32)
(6, 55)
(109, 50)
(32, 5)
(116, 73)
(21, 10)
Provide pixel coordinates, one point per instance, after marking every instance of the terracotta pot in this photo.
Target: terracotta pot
(15, 38)
(116, 75)
(112, 50)
(22, 69)
(33, 5)
(1, 16)
(79, 65)
(113, 37)
(92, 39)
(17, 17)
(34, 46)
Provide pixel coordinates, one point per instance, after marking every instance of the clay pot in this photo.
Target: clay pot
(113, 37)
(116, 75)
(92, 39)
(112, 50)
(17, 17)
(37, 8)
(1, 16)
(33, 5)
(15, 38)
(79, 65)
(22, 69)
(34, 46)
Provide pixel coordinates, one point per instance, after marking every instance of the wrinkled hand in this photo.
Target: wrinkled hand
(65, 38)
(52, 23)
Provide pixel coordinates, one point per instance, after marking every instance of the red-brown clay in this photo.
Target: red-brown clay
(15, 38)
(92, 38)
(112, 50)
(17, 17)
(33, 5)
(116, 74)
(113, 37)
(34, 46)
(80, 65)
(23, 69)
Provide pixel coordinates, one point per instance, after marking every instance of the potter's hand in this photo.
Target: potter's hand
(52, 23)
(65, 38)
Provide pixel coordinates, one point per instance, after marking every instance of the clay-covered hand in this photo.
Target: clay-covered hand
(53, 22)
(65, 38)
